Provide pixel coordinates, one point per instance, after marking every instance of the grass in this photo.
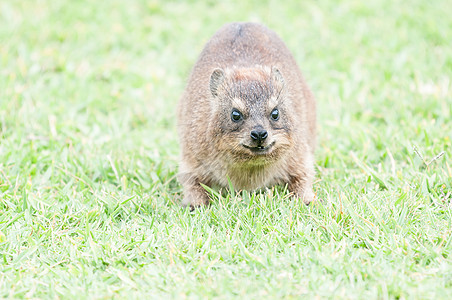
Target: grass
(89, 201)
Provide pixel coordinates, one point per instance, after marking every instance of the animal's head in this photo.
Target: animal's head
(253, 113)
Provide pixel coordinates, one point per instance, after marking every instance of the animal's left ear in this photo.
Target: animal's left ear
(277, 78)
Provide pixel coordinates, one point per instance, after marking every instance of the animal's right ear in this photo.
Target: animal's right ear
(216, 79)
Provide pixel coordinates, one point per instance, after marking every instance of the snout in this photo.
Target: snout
(259, 136)
(259, 141)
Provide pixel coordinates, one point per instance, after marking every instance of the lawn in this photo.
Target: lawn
(89, 199)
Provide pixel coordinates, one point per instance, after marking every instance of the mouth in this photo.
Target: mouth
(259, 149)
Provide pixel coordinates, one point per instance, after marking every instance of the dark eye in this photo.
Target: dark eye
(275, 114)
(236, 115)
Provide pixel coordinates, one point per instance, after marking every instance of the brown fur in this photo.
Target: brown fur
(246, 66)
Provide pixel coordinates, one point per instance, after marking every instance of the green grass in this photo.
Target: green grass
(89, 200)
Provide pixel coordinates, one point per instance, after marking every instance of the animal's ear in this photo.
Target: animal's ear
(216, 79)
(277, 78)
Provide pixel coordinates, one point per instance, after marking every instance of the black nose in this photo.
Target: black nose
(259, 135)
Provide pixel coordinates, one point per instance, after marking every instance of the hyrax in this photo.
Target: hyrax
(246, 116)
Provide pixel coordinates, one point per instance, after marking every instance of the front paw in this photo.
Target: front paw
(195, 199)
(306, 196)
